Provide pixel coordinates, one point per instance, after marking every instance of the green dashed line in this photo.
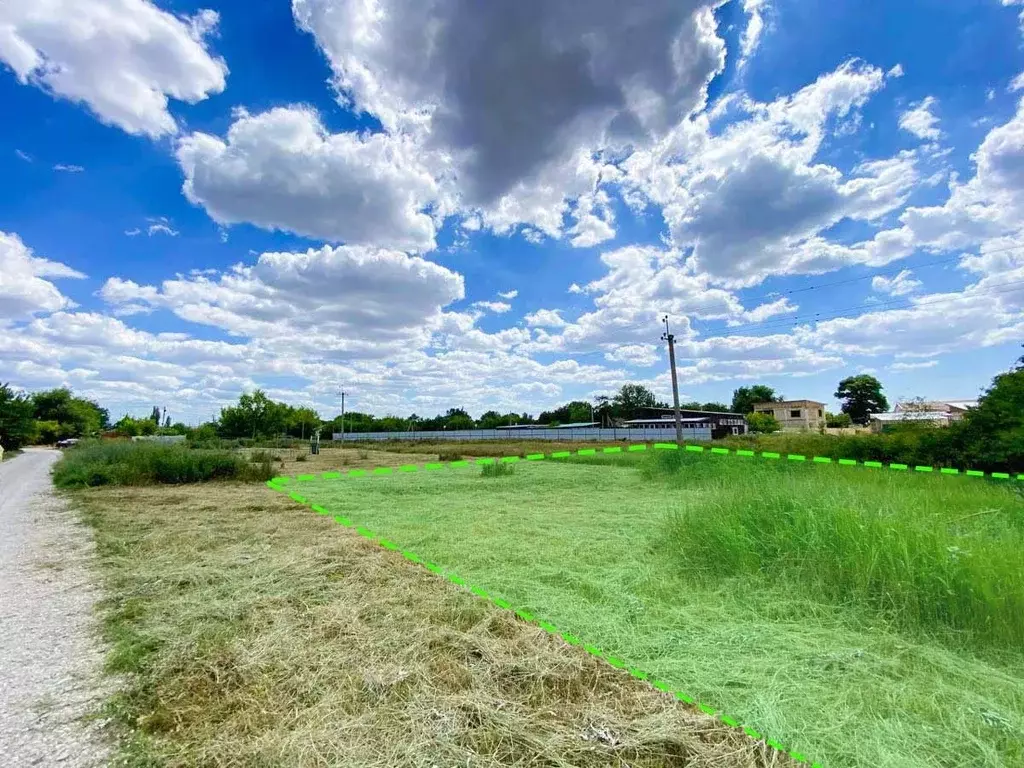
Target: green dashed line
(586, 452)
(570, 638)
(388, 544)
(454, 579)
(280, 480)
(534, 456)
(502, 603)
(479, 592)
(798, 757)
(796, 457)
(331, 475)
(408, 468)
(433, 567)
(660, 685)
(751, 733)
(433, 467)
(1000, 476)
(637, 448)
(509, 459)
(383, 471)
(524, 615)
(593, 650)
(901, 467)
(949, 471)
(342, 520)
(485, 460)
(974, 473)
(666, 446)
(358, 473)
(695, 448)
(296, 497)
(639, 674)
(874, 464)
(775, 745)
(459, 463)
(560, 454)
(848, 462)
(683, 697)
(547, 627)
(744, 452)
(721, 451)
(822, 460)
(706, 709)
(318, 509)
(616, 662)
(412, 557)
(612, 449)
(923, 469)
(770, 455)
(731, 722)
(365, 532)
(305, 478)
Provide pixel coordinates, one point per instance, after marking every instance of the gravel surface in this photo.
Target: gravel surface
(50, 656)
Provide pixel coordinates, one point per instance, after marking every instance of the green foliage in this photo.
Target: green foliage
(77, 416)
(838, 420)
(631, 399)
(490, 420)
(862, 396)
(48, 432)
(447, 456)
(887, 542)
(763, 423)
(129, 426)
(256, 415)
(497, 469)
(17, 427)
(131, 463)
(743, 399)
(993, 433)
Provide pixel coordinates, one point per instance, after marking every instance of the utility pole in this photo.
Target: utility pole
(671, 339)
(342, 414)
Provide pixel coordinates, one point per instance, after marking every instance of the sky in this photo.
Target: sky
(494, 205)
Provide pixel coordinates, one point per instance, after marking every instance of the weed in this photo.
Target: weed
(302, 457)
(449, 456)
(498, 469)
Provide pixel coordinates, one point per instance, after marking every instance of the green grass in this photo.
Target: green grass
(822, 605)
(139, 463)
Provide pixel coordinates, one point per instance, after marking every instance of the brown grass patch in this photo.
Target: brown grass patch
(252, 632)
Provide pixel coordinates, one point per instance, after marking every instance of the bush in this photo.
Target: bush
(302, 457)
(762, 422)
(449, 456)
(129, 463)
(497, 469)
(259, 456)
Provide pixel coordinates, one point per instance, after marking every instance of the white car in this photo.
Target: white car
(67, 443)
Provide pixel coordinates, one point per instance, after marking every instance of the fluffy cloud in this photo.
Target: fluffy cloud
(497, 307)
(343, 301)
(545, 318)
(282, 170)
(122, 58)
(24, 289)
(920, 121)
(750, 201)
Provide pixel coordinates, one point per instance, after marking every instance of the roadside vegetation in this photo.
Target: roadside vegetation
(795, 597)
(130, 463)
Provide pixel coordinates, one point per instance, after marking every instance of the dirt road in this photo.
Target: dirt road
(50, 658)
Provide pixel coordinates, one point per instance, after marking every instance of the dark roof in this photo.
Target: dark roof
(685, 420)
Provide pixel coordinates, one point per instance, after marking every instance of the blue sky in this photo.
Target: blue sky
(493, 205)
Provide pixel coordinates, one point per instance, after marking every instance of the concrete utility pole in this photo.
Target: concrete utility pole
(667, 336)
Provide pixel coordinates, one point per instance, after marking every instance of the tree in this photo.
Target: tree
(712, 406)
(837, 420)
(743, 399)
(629, 400)
(155, 417)
(303, 421)
(992, 435)
(77, 416)
(862, 396)
(17, 427)
(490, 420)
(167, 423)
(255, 415)
(763, 423)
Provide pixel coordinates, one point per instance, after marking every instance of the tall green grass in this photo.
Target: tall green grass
(137, 463)
(940, 554)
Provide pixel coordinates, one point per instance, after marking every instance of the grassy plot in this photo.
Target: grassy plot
(247, 632)
(864, 618)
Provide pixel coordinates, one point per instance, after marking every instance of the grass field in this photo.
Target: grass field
(247, 632)
(864, 618)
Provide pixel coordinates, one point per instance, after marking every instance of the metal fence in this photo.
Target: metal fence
(637, 435)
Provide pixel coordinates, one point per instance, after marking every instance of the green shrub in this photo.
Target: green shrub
(497, 469)
(259, 456)
(129, 463)
(449, 456)
(302, 457)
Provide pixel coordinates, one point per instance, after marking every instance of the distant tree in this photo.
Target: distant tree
(763, 423)
(713, 406)
(837, 420)
(155, 416)
(693, 405)
(130, 427)
(629, 400)
(743, 399)
(303, 421)
(992, 434)
(167, 422)
(490, 420)
(17, 426)
(256, 415)
(861, 396)
(77, 416)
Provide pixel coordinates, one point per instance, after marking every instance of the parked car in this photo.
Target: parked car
(67, 442)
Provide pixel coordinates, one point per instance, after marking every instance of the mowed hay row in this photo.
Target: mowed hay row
(248, 631)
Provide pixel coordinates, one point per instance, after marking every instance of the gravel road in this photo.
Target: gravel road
(50, 656)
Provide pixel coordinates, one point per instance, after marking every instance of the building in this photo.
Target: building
(795, 415)
(938, 413)
(722, 424)
(575, 425)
